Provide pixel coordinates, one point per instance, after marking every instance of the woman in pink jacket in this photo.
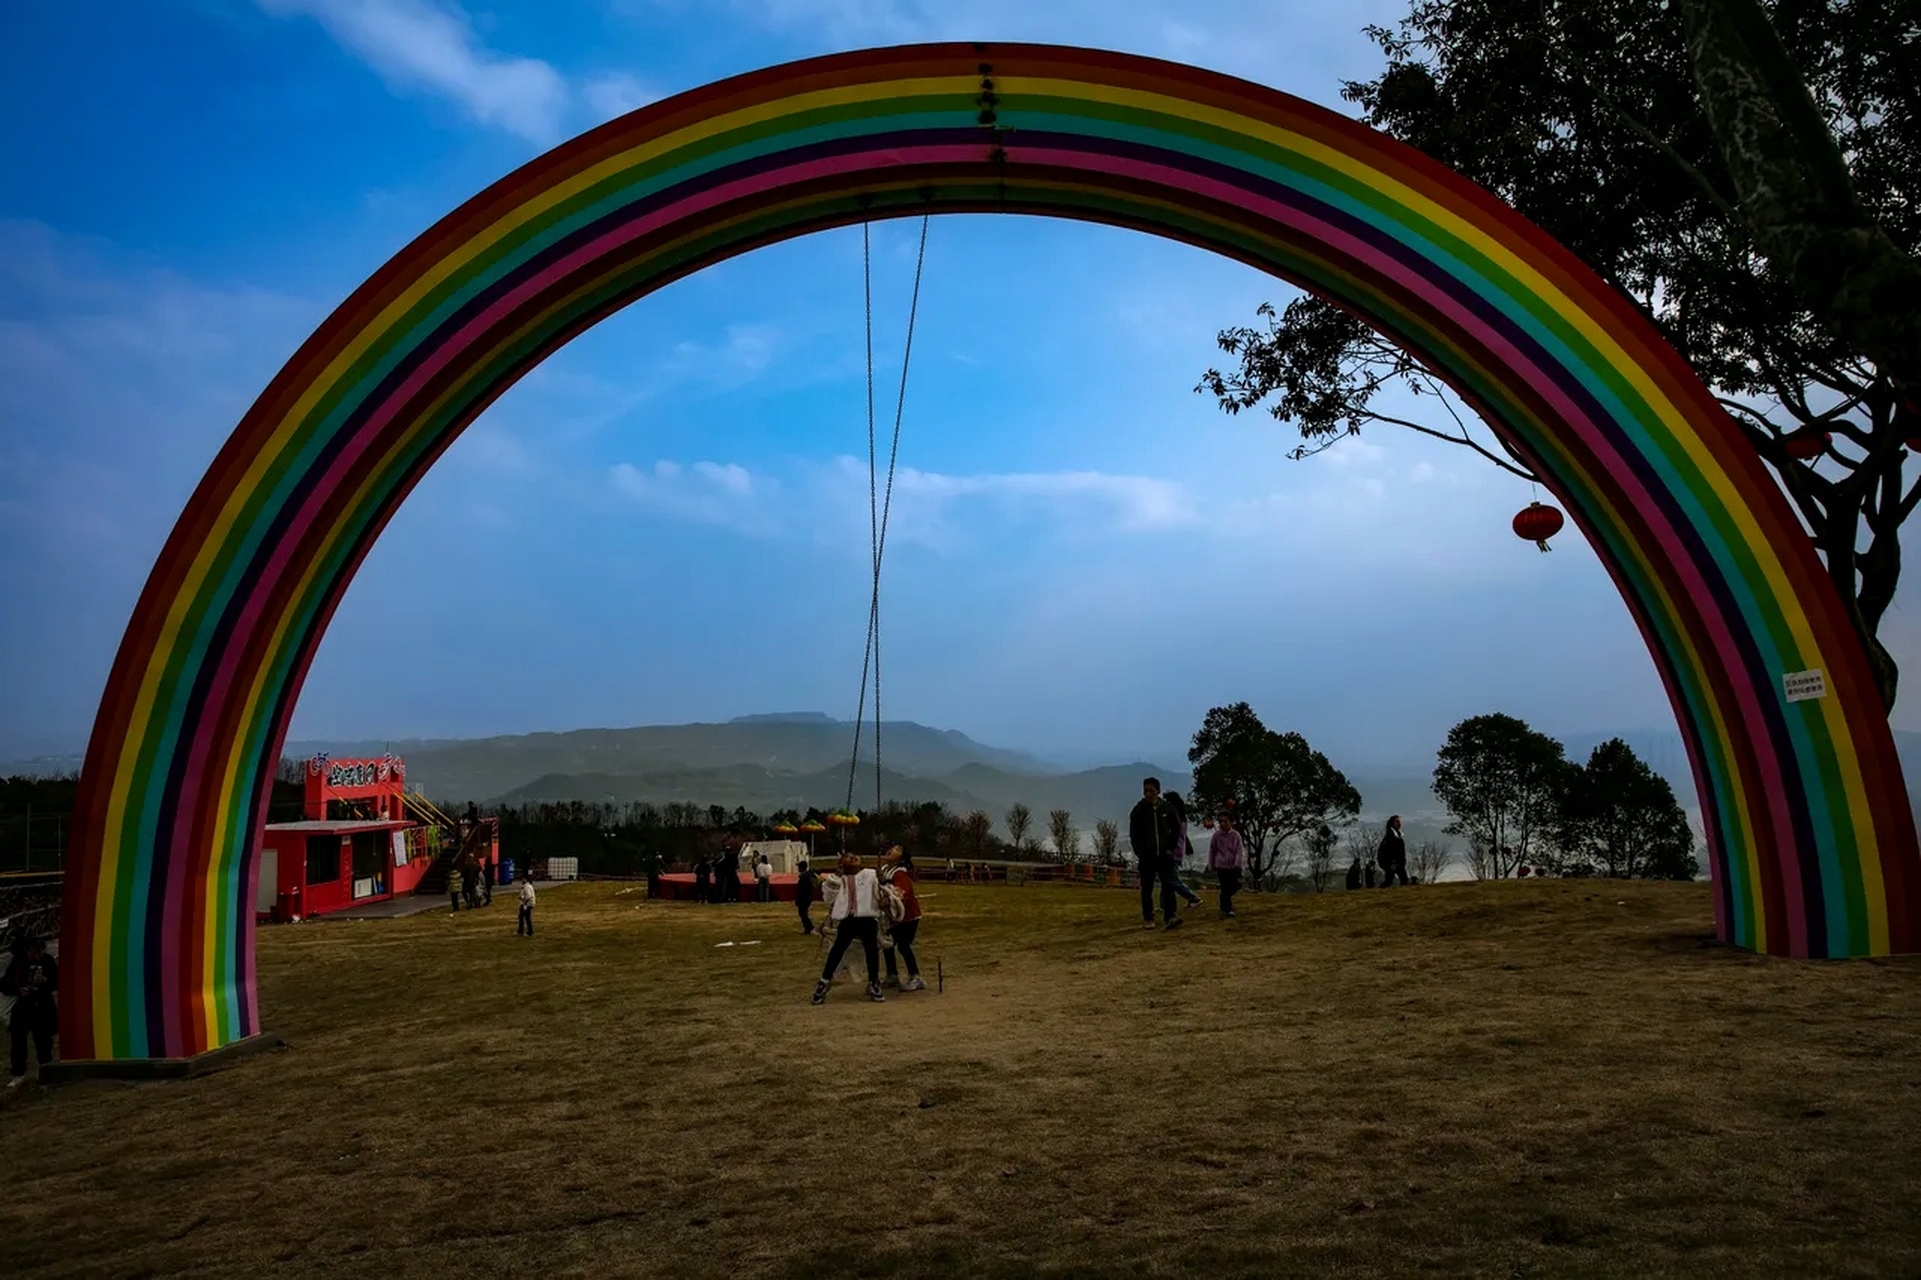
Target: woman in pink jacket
(1226, 856)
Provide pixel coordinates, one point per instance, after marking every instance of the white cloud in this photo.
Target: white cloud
(615, 94)
(431, 45)
(725, 494)
(939, 511)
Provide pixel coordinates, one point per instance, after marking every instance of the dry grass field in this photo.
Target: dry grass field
(1514, 1079)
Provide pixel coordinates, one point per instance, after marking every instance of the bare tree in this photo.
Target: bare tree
(979, 827)
(1360, 843)
(1481, 863)
(1107, 842)
(1429, 859)
(1019, 819)
(1067, 841)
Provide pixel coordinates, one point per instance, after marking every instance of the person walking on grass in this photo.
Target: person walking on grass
(1186, 894)
(703, 879)
(896, 881)
(763, 879)
(1392, 855)
(525, 924)
(804, 890)
(1226, 857)
(31, 979)
(487, 881)
(855, 912)
(454, 886)
(1154, 829)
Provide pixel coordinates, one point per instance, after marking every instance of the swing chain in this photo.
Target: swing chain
(879, 508)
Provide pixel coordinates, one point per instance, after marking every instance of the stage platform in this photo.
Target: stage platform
(679, 887)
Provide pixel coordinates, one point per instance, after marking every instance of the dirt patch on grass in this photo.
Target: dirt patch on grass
(1558, 1078)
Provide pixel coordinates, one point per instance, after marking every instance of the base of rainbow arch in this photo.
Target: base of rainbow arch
(135, 1069)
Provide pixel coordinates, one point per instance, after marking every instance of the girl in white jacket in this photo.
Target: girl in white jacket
(854, 908)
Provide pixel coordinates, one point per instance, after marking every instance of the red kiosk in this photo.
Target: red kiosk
(356, 843)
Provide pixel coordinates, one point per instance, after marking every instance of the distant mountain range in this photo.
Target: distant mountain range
(793, 760)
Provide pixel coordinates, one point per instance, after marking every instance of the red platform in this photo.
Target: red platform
(679, 886)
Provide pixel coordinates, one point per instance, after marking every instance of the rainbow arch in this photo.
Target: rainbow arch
(1811, 842)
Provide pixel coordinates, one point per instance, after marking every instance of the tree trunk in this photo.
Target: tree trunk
(1795, 193)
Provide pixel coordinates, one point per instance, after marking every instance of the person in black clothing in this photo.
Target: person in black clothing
(1181, 849)
(730, 874)
(31, 979)
(1392, 855)
(487, 881)
(1154, 828)
(703, 879)
(804, 896)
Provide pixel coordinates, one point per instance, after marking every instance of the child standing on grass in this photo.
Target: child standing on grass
(453, 886)
(525, 924)
(1226, 856)
(895, 879)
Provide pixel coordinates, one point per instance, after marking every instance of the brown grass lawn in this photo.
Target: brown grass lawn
(1554, 1079)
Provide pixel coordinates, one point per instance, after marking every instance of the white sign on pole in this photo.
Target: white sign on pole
(1805, 686)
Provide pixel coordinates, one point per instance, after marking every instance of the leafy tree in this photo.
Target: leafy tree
(1770, 236)
(1019, 819)
(1107, 842)
(1067, 841)
(1275, 784)
(1621, 817)
(1502, 785)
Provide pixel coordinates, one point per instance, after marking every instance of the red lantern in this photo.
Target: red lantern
(1537, 522)
(1806, 444)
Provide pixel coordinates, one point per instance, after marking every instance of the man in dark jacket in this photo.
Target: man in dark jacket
(31, 978)
(1392, 855)
(1154, 828)
(804, 896)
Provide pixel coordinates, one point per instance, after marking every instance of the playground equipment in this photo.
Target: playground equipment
(1810, 839)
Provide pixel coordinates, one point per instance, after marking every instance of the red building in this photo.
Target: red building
(358, 842)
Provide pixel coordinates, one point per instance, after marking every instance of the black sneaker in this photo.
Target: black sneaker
(820, 992)
(1174, 922)
(873, 993)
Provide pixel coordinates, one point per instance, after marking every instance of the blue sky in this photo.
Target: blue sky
(667, 521)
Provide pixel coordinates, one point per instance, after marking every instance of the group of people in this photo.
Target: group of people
(874, 906)
(1390, 858)
(472, 880)
(1158, 829)
(718, 879)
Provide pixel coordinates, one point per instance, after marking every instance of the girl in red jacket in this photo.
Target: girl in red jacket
(894, 876)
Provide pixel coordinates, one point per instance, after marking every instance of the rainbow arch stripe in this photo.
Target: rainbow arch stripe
(1811, 841)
